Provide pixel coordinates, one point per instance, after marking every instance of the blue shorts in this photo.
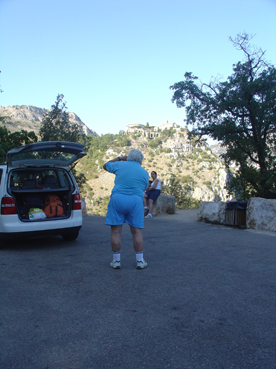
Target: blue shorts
(153, 194)
(125, 209)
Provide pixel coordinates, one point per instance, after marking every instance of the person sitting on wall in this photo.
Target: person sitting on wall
(152, 193)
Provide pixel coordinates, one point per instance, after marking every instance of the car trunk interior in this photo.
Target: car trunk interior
(30, 189)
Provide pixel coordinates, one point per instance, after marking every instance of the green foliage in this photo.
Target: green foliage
(56, 124)
(240, 113)
(124, 141)
(241, 188)
(186, 179)
(208, 184)
(166, 150)
(183, 199)
(155, 143)
(101, 204)
(10, 140)
(205, 156)
(168, 133)
(80, 179)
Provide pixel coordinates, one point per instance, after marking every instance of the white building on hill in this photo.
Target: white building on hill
(166, 125)
(137, 127)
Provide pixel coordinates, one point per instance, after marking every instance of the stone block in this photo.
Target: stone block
(212, 212)
(261, 214)
(83, 207)
(164, 204)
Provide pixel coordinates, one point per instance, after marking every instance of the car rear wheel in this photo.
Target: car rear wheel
(70, 236)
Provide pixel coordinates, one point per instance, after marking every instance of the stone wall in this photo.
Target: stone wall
(212, 212)
(164, 204)
(261, 214)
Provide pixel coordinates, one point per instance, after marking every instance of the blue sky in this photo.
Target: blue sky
(114, 61)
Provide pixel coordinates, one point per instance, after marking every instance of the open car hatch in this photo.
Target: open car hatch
(57, 153)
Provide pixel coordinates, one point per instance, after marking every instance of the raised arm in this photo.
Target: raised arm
(119, 158)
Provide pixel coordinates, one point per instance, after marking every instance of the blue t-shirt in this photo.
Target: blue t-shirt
(131, 178)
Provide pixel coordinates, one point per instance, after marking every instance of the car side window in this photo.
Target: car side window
(64, 179)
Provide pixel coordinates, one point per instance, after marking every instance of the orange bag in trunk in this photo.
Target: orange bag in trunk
(53, 207)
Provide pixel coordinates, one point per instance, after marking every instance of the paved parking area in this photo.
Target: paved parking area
(206, 300)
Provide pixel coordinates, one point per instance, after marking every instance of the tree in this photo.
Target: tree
(56, 124)
(241, 113)
(10, 140)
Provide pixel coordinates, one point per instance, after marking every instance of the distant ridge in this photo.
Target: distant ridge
(29, 118)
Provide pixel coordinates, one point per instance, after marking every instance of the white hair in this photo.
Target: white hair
(135, 155)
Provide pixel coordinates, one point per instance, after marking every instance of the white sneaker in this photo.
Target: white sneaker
(115, 264)
(141, 264)
(146, 208)
(149, 216)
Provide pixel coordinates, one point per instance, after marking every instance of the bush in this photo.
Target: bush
(208, 184)
(186, 179)
(154, 143)
(182, 199)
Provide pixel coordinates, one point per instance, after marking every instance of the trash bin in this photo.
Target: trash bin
(235, 213)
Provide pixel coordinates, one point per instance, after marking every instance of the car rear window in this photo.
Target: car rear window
(38, 178)
(1, 171)
(44, 155)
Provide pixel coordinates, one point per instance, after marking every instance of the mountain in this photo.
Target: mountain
(198, 172)
(217, 149)
(29, 118)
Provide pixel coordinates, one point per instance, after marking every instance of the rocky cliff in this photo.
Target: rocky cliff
(29, 118)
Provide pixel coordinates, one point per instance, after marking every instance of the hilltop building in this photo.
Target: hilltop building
(166, 125)
(153, 131)
(178, 143)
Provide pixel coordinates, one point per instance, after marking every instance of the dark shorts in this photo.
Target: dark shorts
(125, 209)
(153, 194)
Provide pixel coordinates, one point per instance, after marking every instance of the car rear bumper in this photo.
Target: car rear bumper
(11, 224)
(49, 232)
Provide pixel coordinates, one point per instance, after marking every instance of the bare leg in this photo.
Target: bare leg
(150, 206)
(145, 200)
(116, 237)
(138, 242)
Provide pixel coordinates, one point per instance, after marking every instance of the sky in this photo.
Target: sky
(114, 61)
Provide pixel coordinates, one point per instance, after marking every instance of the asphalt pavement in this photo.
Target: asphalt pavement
(206, 300)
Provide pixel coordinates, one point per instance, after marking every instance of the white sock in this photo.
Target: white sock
(139, 256)
(117, 256)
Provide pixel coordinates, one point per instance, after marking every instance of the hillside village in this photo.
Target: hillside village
(180, 136)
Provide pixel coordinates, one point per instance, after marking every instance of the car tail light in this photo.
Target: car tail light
(77, 202)
(8, 206)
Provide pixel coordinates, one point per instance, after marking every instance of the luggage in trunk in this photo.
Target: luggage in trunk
(26, 201)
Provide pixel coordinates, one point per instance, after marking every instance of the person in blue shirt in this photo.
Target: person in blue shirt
(126, 204)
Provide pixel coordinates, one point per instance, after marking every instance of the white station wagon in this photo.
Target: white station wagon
(33, 174)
